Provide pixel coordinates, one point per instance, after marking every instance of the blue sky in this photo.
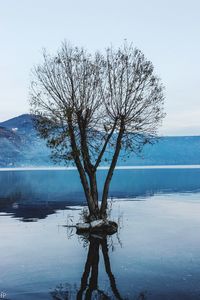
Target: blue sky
(168, 32)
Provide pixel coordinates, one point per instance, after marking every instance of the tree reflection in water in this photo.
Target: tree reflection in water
(89, 282)
(89, 285)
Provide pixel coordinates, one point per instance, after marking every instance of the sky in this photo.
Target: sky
(168, 33)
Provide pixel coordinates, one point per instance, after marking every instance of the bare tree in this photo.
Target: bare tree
(90, 107)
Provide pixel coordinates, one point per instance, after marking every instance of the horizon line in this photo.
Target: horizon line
(101, 168)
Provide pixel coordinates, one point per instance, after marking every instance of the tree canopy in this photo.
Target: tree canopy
(91, 106)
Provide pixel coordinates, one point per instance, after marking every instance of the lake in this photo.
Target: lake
(155, 254)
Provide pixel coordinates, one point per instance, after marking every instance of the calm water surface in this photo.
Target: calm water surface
(155, 255)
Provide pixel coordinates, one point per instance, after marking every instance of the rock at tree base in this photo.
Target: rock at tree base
(83, 226)
(97, 226)
(97, 223)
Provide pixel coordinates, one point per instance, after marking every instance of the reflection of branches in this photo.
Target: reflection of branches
(64, 292)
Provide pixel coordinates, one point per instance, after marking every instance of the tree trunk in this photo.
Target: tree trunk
(94, 193)
(88, 166)
(94, 212)
(111, 170)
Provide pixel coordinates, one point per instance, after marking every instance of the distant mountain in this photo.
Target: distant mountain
(170, 150)
(22, 124)
(20, 146)
(9, 147)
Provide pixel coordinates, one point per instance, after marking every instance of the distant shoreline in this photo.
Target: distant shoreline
(101, 168)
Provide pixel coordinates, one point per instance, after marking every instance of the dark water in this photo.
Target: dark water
(36, 194)
(155, 255)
